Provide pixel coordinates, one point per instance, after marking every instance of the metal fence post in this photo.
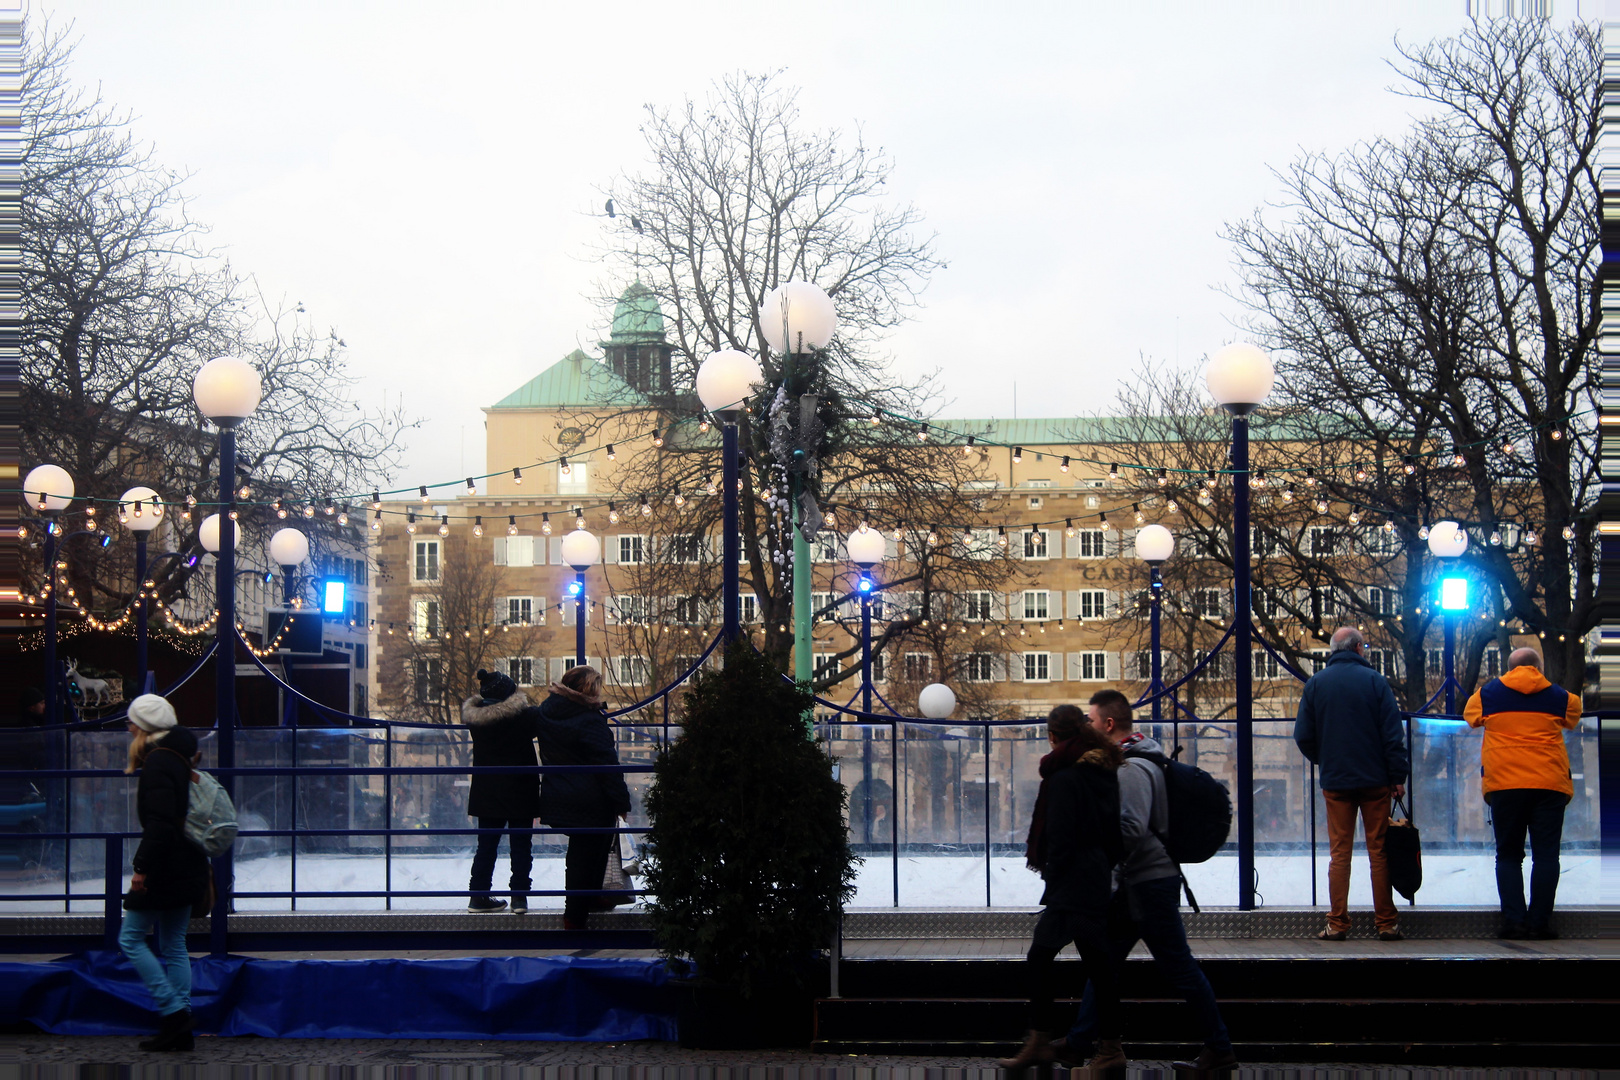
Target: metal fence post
(112, 912)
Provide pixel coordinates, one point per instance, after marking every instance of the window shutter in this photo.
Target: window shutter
(500, 551)
(1015, 666)
(568, 607)
(1111, 603)
(1054, 667)
(610, 549)
(539, 607)
(596, 662)
(1111, 666)
(1074, 667)
(891, 548)
(500, 610)
(999, 666)
(560, 666)
(1015, 544)
(1007, 604)
(554, 544)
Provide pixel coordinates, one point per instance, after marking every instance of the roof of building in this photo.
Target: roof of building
(575, 381)
(1087, 430)
(637, 319)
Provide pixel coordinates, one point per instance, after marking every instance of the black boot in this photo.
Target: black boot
(174, 1033)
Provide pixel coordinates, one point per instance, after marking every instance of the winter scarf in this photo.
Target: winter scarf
(1063, 755)
(575, 696)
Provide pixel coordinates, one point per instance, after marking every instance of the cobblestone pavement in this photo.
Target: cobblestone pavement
(47, 1057)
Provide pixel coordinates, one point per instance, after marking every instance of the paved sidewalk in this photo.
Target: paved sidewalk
(48, 1056)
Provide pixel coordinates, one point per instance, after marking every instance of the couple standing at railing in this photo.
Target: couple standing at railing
(571, 728)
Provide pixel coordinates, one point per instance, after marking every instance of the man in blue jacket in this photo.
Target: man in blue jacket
(1350, 726)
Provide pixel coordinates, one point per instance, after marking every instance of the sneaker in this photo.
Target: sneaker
(486, 903)
(1333, 935)
(520, 903)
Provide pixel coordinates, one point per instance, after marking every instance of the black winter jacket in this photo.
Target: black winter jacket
(176, 869)
(503, 734)
(572, 733)
(1082, 839)
(1349, 725)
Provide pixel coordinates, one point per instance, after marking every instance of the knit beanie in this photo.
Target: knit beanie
(153, 713)
(494, 686)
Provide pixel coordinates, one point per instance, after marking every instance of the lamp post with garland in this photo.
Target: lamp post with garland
(725, 382)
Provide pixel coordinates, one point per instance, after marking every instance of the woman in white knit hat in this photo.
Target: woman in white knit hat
(170, 872)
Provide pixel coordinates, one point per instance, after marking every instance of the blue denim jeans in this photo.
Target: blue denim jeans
(1150, 912)
(169, 980)
(1540, 813)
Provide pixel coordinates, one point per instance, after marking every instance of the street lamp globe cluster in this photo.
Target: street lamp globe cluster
(1154, 544)
(797, 317)
(49, 488)
(936, 701)
(1447, 540)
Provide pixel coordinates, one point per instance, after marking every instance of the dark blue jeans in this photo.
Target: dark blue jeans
(1151, 913)
(1540, 813)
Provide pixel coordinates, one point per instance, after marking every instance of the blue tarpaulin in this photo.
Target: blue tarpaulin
(511, 997)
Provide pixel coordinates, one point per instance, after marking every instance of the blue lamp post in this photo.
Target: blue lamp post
(140, 511)
(1240, 377)
(49, 489)
(866, 548)
(724, 383)
(580, 550)
(1154, 545)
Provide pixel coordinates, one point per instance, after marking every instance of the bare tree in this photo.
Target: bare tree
(1429, 302)
(123, 299)
(452, 632)
(739, 199)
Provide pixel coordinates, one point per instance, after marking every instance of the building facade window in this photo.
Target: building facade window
(1036, 544)
(425, 618)
(631, 547)
(428, 676)
(520, 669)
(1037, 667)
(979, 667)
(1093, 604)
(426, 566)
(1088, 543)
(1093, 666)
(976, 606)
(1037, 604)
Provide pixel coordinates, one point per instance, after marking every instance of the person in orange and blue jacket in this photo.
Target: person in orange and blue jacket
(1527, 784)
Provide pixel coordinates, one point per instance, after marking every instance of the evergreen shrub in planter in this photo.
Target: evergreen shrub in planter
(748, 860)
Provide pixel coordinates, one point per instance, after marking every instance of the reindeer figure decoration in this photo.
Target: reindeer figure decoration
(87, 687)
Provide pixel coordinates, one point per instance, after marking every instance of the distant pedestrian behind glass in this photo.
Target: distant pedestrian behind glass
(170, 872)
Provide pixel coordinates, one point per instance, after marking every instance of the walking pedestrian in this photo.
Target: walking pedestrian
(1074, 843)
(502, 721)
(1527, 784)
(170, 881)
(573, 731)
(1146, 904)
(1350, 726)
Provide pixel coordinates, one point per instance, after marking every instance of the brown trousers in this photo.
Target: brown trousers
(1373, 803)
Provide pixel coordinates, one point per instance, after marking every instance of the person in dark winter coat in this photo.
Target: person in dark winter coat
(170, 872)
(573, 731)
(1075, 843)
(502, 722)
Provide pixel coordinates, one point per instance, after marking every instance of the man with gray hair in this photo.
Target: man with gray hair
(1527, 784)
(1350, 726)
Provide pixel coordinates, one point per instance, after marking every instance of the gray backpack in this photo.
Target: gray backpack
(210, 815)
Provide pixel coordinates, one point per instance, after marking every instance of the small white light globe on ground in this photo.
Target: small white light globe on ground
(937, 701)
(1447, 539)
(288, 547)
(54, 482)
(227, 390)
(581, 549)
(726, 381)
(1240, 376)
(797, 317)
(151, 509)
(1154, 543)
(208, 533)
(866, 548)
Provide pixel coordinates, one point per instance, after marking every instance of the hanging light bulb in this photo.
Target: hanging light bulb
(1136, 510)
(703, 425)
(376, 522)
(1569, 532)
(613, 514)
(1163, 478)
(1259, 478)
(613, 455)
(1113, 473)
(1355, 516)
(646, 507)
(1496, 538)
(1423, 532)
(922, 433)
(376, 500)
(1170, 505)
(478, 526)
(191, 500)
(1408, 466)
(579, 518)
(123, 515)
(713, 485)
(423, 491)
(1361, 472)
(343, 514)
(410, 522)
(1204, 498)
(1457, 458)
(657, 440)
(1068, 526)
(1288, 493)
(933, 536)
(511, 525)
(1321, 506)
(563, 467)
(472, 489)
(1389, 525)
(517, 475)
(545, 524)
(1063, 466)
(309, 510)
(444, 525)
(1104, 521)
(1210, 479)
(1507, 448)
(1532, 537)
(281, 511)
(680, 500)
(1001, 536)
(967, 450)
(899, 530)
(1018, 454)
(1555, 434)
(330, 507)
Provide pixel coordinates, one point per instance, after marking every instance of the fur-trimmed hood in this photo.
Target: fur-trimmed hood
(475, 711)
(1098, 758)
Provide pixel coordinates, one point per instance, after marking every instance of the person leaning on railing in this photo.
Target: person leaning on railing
(502, 721)
(574, 731)
(1527, 784)
(170, 882)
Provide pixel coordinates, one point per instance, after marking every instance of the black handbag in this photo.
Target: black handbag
(1403, 851)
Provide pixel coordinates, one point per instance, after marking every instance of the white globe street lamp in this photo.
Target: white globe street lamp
(1447, 539)
(208, 534)
(581, 549)
(1154, 544)
(726, 381)
(48, 488)
(937, 701)
(288, 548)
(797, 317)
(1240, 377)
(866, 547)
(227, 390)
(140, 510)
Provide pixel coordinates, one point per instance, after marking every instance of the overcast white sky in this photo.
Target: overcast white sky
(423, 176)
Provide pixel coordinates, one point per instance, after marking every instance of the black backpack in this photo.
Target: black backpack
(1200, 809)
